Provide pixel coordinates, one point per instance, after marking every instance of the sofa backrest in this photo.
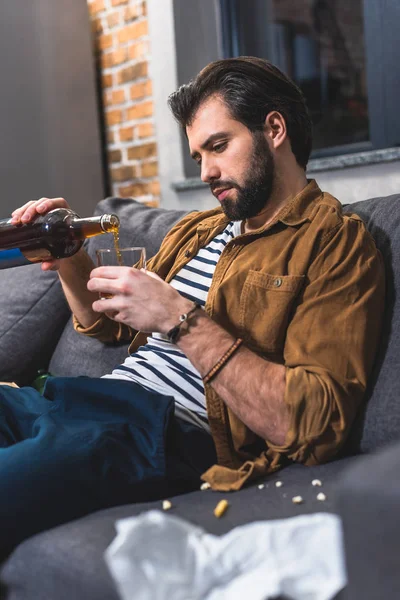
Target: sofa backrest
(378, 422)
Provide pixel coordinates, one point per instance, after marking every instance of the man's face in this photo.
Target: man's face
(236, 163)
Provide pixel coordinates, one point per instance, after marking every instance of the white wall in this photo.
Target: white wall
(359, 183)
(163, 72)
(50, 136)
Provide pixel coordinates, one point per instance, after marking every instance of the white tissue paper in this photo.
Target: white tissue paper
(161, 557)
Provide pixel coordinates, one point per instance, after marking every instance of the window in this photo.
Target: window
(342, 54)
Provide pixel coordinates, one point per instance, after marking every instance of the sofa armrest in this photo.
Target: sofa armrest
(368, 499)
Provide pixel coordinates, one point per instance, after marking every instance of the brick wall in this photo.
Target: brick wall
(122, 45)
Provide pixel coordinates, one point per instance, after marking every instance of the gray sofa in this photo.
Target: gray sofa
(66, 563)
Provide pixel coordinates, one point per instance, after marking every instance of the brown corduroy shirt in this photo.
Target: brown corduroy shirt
(305, 291)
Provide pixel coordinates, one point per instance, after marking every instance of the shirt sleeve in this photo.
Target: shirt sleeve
(331, 343)
(105, 330)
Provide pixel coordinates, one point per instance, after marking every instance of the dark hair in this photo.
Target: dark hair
(251, 88)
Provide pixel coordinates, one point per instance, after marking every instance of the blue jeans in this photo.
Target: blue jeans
(89, 444)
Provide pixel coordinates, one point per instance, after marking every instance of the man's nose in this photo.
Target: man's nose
(209, 170)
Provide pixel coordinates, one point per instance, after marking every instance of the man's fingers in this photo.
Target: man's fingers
(22, 208)
(45, 204)
(31, 209)
(105, 286)
(50, 265)
(118, 282)
(42, 206)
(110, 272)
(19, 212)
(103, 306)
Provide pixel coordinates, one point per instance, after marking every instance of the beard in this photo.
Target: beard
(254, 194)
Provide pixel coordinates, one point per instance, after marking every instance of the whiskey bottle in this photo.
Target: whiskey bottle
(59, 233)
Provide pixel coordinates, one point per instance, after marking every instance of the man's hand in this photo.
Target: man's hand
(29, 211)
(140, 299)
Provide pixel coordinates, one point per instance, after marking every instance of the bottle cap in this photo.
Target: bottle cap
(109, 222)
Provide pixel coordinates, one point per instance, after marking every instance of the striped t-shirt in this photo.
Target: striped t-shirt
(160, 365)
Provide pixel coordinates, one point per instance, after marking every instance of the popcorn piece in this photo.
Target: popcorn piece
(221, 508)
(321, 497)
(205, 486)
(316, 483)
(278, 484)
(297, 500)
(166, 505)
(261, 486)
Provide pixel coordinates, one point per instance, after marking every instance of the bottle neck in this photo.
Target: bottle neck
(92, 226)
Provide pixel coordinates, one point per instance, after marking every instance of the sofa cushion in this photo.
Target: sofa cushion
(140, 226)
(378, 422)
(33, 315)
(67, 561)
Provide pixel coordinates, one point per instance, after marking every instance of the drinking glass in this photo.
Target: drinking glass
(121, 257)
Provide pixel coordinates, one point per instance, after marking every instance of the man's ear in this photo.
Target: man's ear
(275, 129)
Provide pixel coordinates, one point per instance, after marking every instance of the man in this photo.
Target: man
(261, 317)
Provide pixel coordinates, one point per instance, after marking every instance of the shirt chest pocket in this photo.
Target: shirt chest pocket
(266, 304)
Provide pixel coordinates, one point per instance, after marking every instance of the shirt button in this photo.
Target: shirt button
(278, 282)
(187, 253)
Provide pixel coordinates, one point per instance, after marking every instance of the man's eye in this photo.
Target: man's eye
(219, 147)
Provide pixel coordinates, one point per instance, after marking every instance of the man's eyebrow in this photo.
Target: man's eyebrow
(209, 141)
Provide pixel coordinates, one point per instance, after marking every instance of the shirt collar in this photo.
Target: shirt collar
(216, 218)
(299, 208)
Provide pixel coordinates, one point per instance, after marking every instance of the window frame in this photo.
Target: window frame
(382, 47)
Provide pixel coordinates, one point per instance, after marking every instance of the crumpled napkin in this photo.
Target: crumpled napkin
(156, 556)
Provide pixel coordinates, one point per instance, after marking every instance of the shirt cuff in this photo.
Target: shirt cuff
(318, 424)
(94, 330)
